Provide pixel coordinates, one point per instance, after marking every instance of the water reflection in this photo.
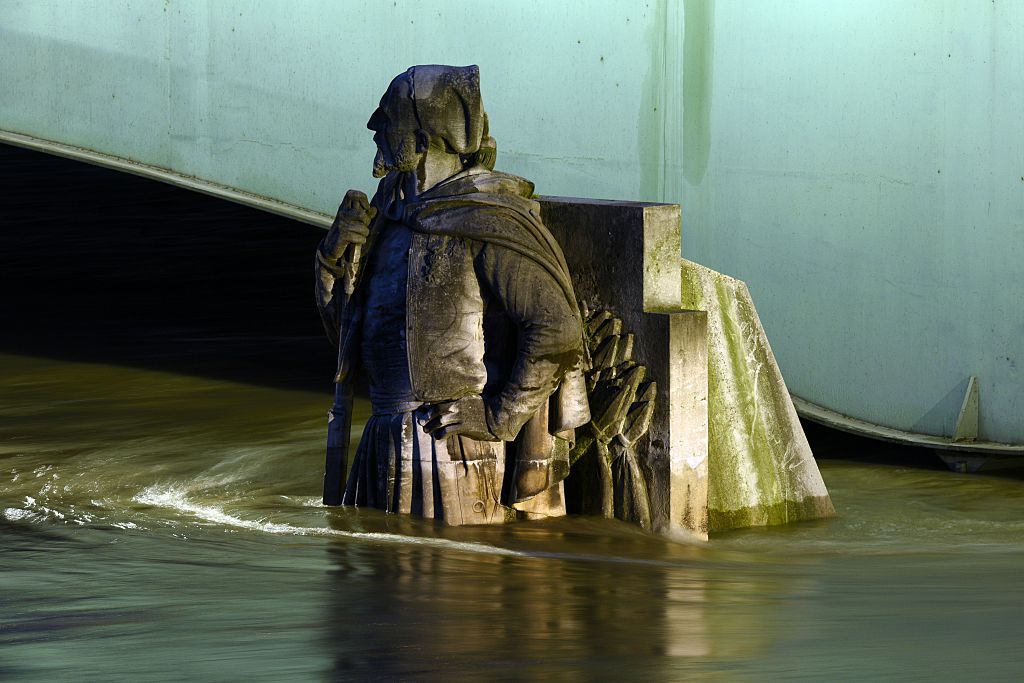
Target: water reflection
(599, 602)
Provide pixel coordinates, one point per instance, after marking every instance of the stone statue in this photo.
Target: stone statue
(450, 295)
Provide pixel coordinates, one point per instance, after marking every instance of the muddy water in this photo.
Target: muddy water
(162, 399)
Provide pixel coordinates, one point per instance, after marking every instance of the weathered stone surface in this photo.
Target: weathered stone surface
(624, 257)
(606, 478)
(725, 448)
(761, 467)
(475, 331)
(452, 298)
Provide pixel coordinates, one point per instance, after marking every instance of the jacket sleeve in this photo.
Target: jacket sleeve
(550, 336)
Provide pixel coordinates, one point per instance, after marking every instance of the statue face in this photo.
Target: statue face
(394, 126)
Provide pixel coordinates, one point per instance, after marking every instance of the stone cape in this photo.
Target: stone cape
(398, 466)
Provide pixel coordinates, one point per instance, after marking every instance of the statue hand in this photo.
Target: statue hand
(465, 416)
(351, 226)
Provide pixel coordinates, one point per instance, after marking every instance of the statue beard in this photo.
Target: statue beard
(402, 160)
(380, 167)
(399, 185)
(397, 189)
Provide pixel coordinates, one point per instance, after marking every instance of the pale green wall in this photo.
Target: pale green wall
(862, 168)
(272, 97)
(859, 163)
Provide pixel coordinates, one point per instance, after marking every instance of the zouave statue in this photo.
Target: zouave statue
(451, 297)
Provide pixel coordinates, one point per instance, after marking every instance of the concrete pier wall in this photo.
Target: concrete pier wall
(858, 164)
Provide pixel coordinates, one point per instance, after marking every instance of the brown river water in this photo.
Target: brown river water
(163, 390)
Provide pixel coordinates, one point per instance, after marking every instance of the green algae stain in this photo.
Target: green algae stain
(736, 426)
(751, 445)
(782, 512)
(651, 117)
(698, 56)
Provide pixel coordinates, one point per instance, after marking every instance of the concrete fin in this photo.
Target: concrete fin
(967, 422)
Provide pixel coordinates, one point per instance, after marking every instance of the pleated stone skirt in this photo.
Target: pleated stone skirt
(400, 468)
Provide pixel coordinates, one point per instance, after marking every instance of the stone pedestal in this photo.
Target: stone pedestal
(624, 257)
(761, 468)
(725, 448)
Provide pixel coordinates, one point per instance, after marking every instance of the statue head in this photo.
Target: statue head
(431, 107)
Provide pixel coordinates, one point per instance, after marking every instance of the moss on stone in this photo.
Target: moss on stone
(782, 512)
(760, 468)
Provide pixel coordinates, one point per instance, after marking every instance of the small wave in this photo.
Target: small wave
(176, 500)
(15, 514)
(35, 511)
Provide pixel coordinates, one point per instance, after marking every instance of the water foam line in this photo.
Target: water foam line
(175, 499)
